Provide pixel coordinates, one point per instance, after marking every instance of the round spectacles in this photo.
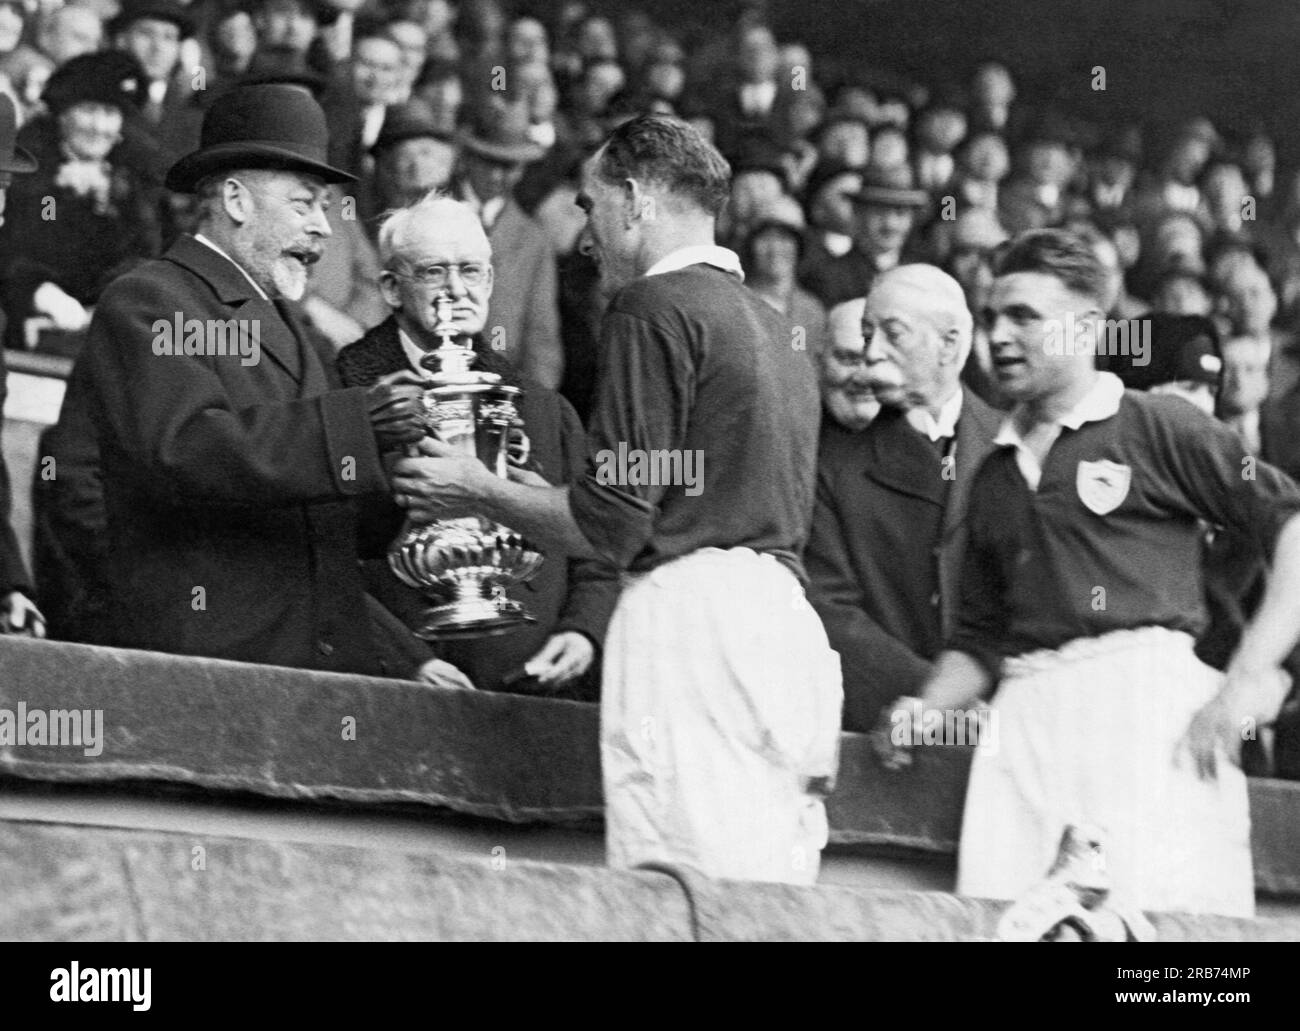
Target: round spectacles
(438, 276)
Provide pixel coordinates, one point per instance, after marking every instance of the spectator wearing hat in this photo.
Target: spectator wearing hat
(523, 319)
(88, 213)
(229, 484)
(770, 254)
(18, 612)
(152, 31)
(1112, 172)
(830, 215)
(413, 156)
(884, 214)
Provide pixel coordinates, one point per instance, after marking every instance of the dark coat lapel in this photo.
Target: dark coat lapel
(902, 459)
(976, 427)
(235, 290)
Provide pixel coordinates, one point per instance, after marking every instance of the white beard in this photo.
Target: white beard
(290, 278)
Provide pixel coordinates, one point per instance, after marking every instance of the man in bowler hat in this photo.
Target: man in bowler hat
(231, 473)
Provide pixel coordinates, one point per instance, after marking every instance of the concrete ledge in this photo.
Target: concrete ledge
(278, 732)
(93, 884)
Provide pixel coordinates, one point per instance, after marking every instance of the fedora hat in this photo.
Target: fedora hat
(265, 126)
(889, 186)
(500, 134)
(409, 121)
(13, 158)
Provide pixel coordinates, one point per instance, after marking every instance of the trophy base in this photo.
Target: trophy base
(473, 617)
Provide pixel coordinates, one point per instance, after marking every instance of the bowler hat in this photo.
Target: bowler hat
(108, 77)
(265, 126)
(13, 158)
(889, 186)
(154, 10)
(408, 121)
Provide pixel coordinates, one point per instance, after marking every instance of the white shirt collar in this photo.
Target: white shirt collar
(252, 282)
(414, 352)
(923, 422)
(1099, 403)
(699, 254)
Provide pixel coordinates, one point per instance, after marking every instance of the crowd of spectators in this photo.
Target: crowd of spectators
(837, 177)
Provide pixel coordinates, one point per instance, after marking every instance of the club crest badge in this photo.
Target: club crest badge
(1103, 485)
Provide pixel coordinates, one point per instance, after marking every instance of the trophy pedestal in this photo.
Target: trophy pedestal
(471, 613)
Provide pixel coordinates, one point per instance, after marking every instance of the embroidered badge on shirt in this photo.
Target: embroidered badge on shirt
(1103, 485)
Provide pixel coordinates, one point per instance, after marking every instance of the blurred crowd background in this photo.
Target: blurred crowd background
(845, 163)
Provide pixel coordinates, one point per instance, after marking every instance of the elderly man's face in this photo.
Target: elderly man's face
(414, 167)
(155, 44)
(903, 345)
(846, 389)
(434, 248)
(377, 71)
(90, 130)
(286, 231)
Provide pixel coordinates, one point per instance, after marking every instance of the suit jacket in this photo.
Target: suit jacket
(524, 314)
(886, 594)
(229, 489)
(566, 594)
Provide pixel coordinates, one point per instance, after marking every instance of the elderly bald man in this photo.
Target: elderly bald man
(887, 536)
(437, 247)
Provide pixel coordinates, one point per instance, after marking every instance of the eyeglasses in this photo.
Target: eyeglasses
(437, 276)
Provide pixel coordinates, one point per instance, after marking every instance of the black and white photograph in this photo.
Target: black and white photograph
(649, 470)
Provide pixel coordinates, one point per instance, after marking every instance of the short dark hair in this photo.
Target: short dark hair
(665, 150)
(1055, 252)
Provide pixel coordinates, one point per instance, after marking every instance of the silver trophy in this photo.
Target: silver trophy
(463, 566)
